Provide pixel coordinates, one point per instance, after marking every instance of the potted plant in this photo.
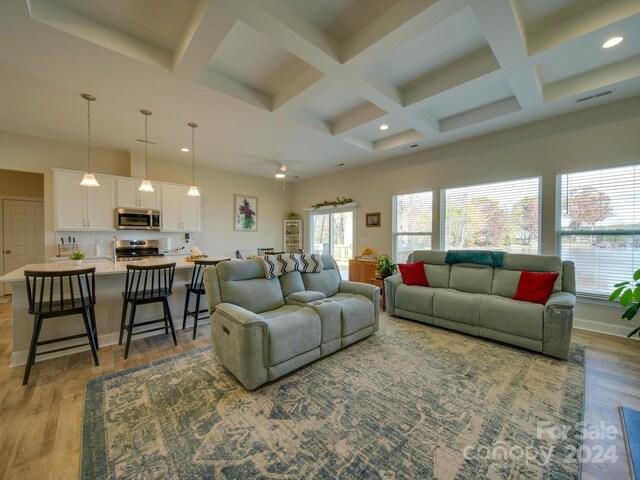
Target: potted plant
(77, 257)
(629, 294)
(386, 266)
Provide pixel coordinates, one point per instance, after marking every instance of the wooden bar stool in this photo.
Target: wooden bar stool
(145, 285)
(196, 286)
(59, 294)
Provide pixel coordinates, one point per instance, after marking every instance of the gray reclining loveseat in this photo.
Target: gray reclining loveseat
(478, 300)
(265, 328)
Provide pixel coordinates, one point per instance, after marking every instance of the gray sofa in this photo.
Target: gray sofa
(477, 300)
(265, 328)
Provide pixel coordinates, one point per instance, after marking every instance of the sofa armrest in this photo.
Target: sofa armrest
(241, 342)
(558, 323)
(561, 299)
(390, 285)
(239, 315)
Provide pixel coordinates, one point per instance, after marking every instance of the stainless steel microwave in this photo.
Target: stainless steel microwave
(133, 219)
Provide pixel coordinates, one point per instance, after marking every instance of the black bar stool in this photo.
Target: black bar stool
(59, 294)
(196, 286)
(265, 251)
(238, 255)
(144, 285)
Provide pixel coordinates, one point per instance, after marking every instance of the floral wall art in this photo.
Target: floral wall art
(245, 218)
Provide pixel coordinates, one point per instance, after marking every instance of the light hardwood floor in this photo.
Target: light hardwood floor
(40, 424)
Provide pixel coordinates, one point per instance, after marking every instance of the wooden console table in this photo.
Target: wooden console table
(362, 270)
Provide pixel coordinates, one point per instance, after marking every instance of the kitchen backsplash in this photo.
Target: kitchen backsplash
(87, 241)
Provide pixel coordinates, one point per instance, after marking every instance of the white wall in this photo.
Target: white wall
(599, 136)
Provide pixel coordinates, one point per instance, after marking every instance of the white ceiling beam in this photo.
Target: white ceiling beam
(480, 114)
(398, 140)
(297, 86)
(459, 73)
(205, 32)
(399, 24)
(289, 30)
(598, 78)
(502, 27)
(356, 118)
(216, 80)
(581, 24)
(64, 19)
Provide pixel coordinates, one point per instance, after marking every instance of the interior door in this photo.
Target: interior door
(23, 234)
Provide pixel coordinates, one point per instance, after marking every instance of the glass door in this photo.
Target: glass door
(333, 234)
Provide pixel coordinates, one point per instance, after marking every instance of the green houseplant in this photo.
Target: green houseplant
(386, 266)
(629, 295)
(77, 257)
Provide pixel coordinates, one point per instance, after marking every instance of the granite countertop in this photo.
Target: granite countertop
(102, 267)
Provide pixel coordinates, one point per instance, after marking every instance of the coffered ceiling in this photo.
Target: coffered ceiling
(307, 83)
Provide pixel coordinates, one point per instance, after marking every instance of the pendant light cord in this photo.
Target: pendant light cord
(193, 155)
(146, 146)
(89, 134)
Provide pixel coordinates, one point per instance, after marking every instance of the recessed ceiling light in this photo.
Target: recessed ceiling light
(612, 42)
(184, 149)
(384, 126)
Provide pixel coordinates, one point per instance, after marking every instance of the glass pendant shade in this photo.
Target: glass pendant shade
(89, 180)
(146, 186)
(280, 175)
(193, 191)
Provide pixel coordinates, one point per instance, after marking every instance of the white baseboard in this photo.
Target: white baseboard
(608, 328)
(19, 358)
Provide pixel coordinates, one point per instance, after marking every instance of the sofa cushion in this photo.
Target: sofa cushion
(292, 331)
(306, 296)
(256, 295)
(505, 282)
(438, 275)
(357, 312)
(523, 319)
(535, 287)
(413, 274)
(471, 278)
(326, 281)
(431, 257)
(291, 283)
(535, 263)
(415, 299)
(457, 306)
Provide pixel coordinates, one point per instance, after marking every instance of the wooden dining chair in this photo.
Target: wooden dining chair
(60, 294)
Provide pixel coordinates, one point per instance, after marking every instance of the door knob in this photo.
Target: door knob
(7, 252)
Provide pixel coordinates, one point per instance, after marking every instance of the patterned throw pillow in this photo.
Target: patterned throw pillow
(278, 265)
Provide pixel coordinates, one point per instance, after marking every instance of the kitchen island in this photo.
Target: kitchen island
(110, 279)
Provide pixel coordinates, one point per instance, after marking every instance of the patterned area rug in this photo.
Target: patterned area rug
(410, 402)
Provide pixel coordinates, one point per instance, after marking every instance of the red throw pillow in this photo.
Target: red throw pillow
(535, 287)
(413, 274)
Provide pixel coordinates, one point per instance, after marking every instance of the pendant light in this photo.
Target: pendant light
(281, 174)
(145, 186)
(89, 179)
(193, 191)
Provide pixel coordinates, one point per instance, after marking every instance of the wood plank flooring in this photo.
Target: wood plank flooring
(40, 424)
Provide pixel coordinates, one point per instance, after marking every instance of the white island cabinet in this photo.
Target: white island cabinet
(80, 208)
(179, 212)
(110, 279)
(130, 197)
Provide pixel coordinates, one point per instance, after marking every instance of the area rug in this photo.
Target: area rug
(412, 401)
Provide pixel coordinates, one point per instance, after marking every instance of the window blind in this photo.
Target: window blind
(413, 215)
(495, 216)
(599, 211)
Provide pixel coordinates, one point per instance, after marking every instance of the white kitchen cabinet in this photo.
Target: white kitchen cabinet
(128, 195)
(180, 212)
(83, 208)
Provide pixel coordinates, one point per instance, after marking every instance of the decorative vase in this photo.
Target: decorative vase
(76, 262)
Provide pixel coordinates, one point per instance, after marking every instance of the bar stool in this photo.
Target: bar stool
(265, 251)
(238, 255)
(196, 286)
(145, 285)
(59, 294)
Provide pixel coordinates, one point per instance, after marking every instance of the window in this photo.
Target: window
(599, 217)
(411, 224)
(494, 216)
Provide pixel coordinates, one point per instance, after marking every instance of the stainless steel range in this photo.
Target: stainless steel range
(130, 250)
